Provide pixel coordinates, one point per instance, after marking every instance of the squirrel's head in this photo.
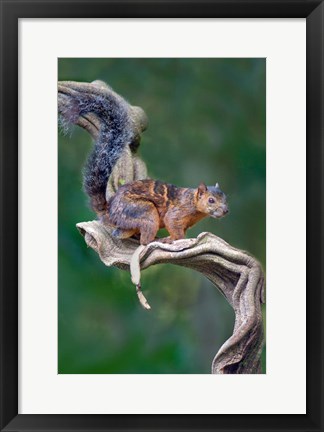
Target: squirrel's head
(211, 200)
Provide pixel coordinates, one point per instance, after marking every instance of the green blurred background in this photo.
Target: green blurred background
(207, 122)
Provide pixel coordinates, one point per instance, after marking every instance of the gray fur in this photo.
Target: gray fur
(116, 131)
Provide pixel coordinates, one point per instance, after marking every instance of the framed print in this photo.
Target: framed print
(233, 94)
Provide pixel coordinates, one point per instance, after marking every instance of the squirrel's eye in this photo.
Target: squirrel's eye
(211, 200)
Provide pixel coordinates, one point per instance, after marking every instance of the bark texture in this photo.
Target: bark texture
(234, 272)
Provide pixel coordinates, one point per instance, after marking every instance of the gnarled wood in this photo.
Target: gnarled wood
(234, 272)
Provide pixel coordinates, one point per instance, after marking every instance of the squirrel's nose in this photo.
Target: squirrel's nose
(225, 209)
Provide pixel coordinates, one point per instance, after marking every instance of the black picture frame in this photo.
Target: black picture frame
(11, 11)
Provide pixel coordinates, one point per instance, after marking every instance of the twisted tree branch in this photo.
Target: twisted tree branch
(234, 272)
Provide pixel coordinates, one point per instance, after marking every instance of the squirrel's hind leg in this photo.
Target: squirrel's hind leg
(133, 217)
(147, 236)
(149, 226)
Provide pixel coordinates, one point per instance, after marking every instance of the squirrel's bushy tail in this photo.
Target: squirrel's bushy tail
(112, 122)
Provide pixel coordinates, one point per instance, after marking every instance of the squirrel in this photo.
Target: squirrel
(144, 206)
(139, 207)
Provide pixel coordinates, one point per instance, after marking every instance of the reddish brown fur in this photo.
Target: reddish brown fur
(144, 206)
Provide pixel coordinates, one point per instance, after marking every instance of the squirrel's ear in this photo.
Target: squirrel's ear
(202, 188)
